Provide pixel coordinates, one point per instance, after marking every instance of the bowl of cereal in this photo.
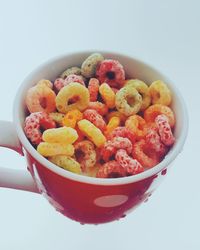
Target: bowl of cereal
(98, 130)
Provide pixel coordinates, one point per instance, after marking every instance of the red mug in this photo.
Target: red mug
(81, 198)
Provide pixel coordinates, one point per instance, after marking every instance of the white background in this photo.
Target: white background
(163, 33)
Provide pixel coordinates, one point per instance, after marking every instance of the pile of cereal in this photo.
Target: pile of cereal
(95, 122)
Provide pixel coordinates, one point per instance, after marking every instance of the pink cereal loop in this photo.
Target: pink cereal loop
(110, 147)
(122, 132)
(58, 84)
(95, 118)
(74, 78)
(164, 130)
(33, 124)
(111, 169)
(93, 87)
(130, 165)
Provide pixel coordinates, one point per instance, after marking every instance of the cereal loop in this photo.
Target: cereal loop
(92, 132)
(90, 64)
(72, 117)
(122, 132)
(95, 118)
(71, 71)
(121, 116)
(36, 122)
(85, 154)
(58, 84)
(128, 101)
(143, 90)
(66, 162)
(57, 117)
(63, 135)
(160, 93)
(158, 109)
(113, 123)
(107, 95)
(143, 155)
(41, 98)
(51, 149)
(100, 107)
(73, 90)
(111, 146)
(130, 165)
(74, 78)
(164, 130)
(111, 72)
(136, 124)
(93, 88)
(111, 169)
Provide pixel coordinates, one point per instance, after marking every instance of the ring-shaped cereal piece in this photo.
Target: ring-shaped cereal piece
(93, 88)
(111, 169)
(92, 132)
(94, 117)
(143, 90)
(100, 107)
(44, 82)
(70, 71)
(107, 95)
(122, 132)
(57, 118)
(158, 109)
(128, 101)
(111, 146)
(66, 162)
(35, 123)
(121, 116)
(131, 166)
(160, 93)
(58, 84)
(111, 72)
(41, 98)
(136, 124)
(85, 154)
(88, 67)
(73, 90)
(113, 123)
(62, 135)
(141, 153)
(47, 149)
(74, 78)
(71, 118)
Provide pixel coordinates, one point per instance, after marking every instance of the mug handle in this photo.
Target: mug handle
(12, 178)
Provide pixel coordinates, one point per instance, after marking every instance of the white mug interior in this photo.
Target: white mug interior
(134, 69)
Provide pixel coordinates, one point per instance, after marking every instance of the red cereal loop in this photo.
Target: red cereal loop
(73, 78)
(93, 87)
(100, 107)
(122, 132)
(110, 147)
(58, 84)
(95, 118)
(111, 72)
(111, 169)
(153, 141)
(130, 165)
(164, 130)
(144, 155)
(33, 125)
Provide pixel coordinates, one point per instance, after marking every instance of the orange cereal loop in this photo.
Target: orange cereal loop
(136, 124)
(92, 132)
(41, 98)
(100, 107)
(46, 83)
(108, 95)
(160, 93)
(158, 109)
(113, 123)
(121, 116)
(72, 117)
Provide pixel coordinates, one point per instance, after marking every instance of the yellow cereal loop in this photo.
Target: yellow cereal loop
(51, 149)
(63, 135)
(45, 83)
(113, 123)
(121, 116)
(160, 93)
(136, 124)
(108, 95)
(92, 132)
(66, 162)
(75, 93)
(57, 117)
(143, 90)
(72, 117)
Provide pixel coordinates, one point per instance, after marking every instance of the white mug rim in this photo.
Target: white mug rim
(170, 157)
